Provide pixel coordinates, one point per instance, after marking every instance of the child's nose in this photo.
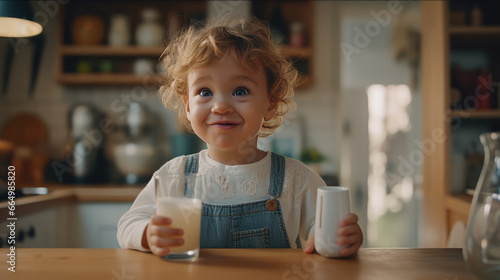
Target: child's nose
(222, 106)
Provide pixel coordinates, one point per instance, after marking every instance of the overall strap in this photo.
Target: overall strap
(277, 177)
(190, 167)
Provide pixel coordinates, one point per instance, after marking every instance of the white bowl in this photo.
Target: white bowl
(137, 159)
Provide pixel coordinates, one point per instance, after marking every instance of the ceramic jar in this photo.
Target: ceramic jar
(143, 66)
(88, 30)
(149, 32)
(119, 31)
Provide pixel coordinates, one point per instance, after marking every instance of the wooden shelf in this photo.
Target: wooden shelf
(102, 50)
(472, 35)
(297, 52)
(74, 50)
(122, 59)
(68, 55)
(481, 114)
(134, 51)
(474, 30)
(109, 79)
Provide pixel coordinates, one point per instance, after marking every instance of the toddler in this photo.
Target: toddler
(231, 85)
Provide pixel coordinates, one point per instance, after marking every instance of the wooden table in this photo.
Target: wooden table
(237, 264)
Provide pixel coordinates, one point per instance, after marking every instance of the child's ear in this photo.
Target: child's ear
(271, 111)
(185, 98)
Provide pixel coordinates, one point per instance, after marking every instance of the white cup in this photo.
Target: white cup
(332, 206)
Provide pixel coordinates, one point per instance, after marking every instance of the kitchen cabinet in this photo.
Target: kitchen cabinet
(40, 229)
(460, 69)
(69, 217)
(96, 225)
(103, 64)
(69, 225)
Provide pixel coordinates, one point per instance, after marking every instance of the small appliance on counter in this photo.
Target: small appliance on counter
(84, 152)
(135, 158)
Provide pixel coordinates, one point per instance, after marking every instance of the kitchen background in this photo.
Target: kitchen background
(362, 96)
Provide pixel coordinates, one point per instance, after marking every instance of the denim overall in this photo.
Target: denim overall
(257, 224)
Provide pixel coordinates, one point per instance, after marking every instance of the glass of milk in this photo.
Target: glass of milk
(177, 198)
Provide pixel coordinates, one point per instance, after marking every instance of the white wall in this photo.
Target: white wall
(319, 104)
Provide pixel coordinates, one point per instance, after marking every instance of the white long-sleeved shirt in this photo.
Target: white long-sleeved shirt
(235, 184)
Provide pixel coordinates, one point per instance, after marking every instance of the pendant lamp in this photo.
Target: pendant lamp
(16, 20)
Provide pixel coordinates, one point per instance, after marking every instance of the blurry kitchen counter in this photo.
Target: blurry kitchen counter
(102, 193)
(60, 194)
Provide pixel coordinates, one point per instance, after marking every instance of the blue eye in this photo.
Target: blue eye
(205, 92)
(240, 92)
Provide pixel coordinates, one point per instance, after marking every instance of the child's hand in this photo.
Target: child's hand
(349, 234)
(158, 236)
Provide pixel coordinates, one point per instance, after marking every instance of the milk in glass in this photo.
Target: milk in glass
(186, 215)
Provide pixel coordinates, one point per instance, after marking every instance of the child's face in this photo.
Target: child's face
(227, 103)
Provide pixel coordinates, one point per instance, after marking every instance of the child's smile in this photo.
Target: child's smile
(227, 105)
(224, 124)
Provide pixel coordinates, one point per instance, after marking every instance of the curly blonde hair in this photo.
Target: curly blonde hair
(251, 41)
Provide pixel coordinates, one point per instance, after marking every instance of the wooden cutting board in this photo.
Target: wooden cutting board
(29, 136)
(25, 129)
